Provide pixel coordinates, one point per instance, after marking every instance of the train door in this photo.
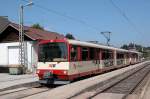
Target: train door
(74, 59)
(85, 63)
(97, 58)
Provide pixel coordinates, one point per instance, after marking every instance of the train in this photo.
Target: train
(61, 61)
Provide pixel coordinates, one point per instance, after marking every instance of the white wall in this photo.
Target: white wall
(31, 54)
(4, 52)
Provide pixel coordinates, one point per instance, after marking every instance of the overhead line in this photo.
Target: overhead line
(125, 17)
(66, 16)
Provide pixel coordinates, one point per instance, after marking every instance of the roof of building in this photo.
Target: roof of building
(3, 23)
(37, 34)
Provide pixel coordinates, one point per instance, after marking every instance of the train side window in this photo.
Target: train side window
(92, 53)
(120, 56)
(97, 51)
(84, 54)
(106, 55)
(74, 53)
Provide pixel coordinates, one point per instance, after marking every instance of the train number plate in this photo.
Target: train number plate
(43, 81)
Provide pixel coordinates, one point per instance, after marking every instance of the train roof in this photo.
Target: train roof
(83, 43)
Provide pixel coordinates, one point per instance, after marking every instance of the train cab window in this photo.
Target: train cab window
(84, 54)
(74, 53)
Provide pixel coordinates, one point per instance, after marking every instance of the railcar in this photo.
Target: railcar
(62, 61)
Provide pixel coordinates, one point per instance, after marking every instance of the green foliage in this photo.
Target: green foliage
(125, 46)
(140, 48)
(37, 26)
(133, 46)
(69, 36)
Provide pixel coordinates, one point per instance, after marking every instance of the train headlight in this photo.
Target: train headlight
(65, 72)
(38, 71)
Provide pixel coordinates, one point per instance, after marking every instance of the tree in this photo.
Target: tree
(69, 36)
(37, 26)
(125, 46)
(132, 46)
(140, 48)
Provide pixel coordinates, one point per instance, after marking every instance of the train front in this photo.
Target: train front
(53, 62)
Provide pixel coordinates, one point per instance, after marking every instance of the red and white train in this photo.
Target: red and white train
(62, 61)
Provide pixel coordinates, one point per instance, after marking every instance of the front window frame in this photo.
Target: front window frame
(57, 60)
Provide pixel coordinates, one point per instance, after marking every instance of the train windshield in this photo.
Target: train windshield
(52, 52)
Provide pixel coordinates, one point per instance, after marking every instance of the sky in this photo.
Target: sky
(127, 20)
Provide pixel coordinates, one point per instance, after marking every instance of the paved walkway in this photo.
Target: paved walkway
(146, 91)
(7, 80)
(66, 91)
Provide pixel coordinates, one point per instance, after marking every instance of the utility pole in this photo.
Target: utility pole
(106, 34)
(21, 36)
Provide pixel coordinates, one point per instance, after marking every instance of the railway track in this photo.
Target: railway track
(17, 81)
(27, 85)
(23, 92)
(124, 84)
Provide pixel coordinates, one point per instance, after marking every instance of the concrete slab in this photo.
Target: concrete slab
(112, 96)
(13, 90)
(69, 90)
(145, 94)
(84, 95)
(4, 77)
(109, 96)
(133, 96)
(7, 80)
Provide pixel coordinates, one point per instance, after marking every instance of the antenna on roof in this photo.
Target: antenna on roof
(106, 34)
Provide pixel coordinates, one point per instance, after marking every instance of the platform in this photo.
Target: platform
(7, 80)
(146, 91)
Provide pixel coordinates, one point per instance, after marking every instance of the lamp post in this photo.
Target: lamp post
(21, 35)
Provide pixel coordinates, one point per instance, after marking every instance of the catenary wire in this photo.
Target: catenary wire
(66, 16)
(122, 13)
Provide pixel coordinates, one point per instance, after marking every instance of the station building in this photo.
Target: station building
(9, 44)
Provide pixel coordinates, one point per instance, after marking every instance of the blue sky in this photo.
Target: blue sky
(96, 16)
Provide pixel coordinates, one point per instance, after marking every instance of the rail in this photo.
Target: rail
(23, 92)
